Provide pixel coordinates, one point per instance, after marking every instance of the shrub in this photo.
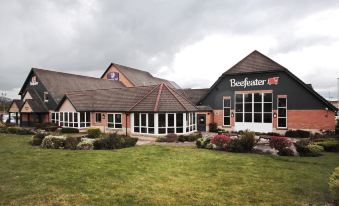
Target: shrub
(301, 147)
(334, 185)
(279, 143)
(93, 133)
(210, 146)
(171, 137)
(329, 146)
(51, 128)
(12, 130)
(69, 130)
(3, 130)
(189, 138)
(298, 133)
(114, 141)
(85, 144)
(53, 142)
(23, 131)
(37, 139)
(181, 138)
(202, 142)
(244, 143)
(286, 151)
(220, 140)
(315, 150)
(72, 142)
(213, 127)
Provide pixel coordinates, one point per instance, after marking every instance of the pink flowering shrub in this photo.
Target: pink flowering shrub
(220, 140)
(279, 143)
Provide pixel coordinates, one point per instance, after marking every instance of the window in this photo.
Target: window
(170, 123)
(179, 123)
(282, 112)
(45, 96)
(162, 123)
(114, 120)
(253, 108)
(227, 111)
(98, 117)
(136, 123)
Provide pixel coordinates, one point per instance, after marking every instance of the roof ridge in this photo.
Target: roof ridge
(79, 75)
(143, 97)
(113, 88)
(156, 106)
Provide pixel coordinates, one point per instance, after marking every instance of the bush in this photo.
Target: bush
(170, 138)
(53, 142)
(301, 147)
(69, 130)
(189, 138)
(244, 143)
(220, 141)
(37, 139)
(298, 133)
(72, 142)
(202, 142)
(114, 141)
(93, 133)
(51, 128)
(286, 151)
(315, 150)
(213, 127)
(12, 130)
(329, 146)
(279, 143)
(23, 131)
(334, 185)
(85, 144)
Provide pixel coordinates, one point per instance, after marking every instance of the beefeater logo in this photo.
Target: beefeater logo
(273, 81)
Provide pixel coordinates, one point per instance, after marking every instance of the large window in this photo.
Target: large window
(253, 107)
(71, 119)
(114, 120)
(55, 118)
(227, 111)
(98, 117)
(163, 123)
(282, 112)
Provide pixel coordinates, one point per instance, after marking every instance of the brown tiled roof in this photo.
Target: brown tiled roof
(140, 77)
(155, 98)
(255, 62)
(194, 95)
(59, 83)
(36, 103)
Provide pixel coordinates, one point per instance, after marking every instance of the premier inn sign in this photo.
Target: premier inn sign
(256, 82)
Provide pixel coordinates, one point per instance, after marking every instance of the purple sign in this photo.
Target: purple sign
(113, 76)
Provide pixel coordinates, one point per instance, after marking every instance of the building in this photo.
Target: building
(256, 93)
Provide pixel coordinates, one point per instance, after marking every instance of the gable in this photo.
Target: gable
(14, 108)
(112, 73)
(26, 108)
(27, 96)
(67, 106)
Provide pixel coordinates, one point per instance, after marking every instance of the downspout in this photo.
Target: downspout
(126, 123)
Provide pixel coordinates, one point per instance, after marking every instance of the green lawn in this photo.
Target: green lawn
(157, 175)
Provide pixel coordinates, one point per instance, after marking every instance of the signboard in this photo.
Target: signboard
(255, 82)
(33, 81)
(113, 76)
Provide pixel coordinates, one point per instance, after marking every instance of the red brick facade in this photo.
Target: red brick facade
(311, 119)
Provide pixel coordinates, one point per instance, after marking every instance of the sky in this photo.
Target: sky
(191, 42)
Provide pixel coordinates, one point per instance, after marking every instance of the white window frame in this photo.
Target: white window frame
(223, 105)
(278, 113)
(46, 97)
(114, 123)
(98, 113)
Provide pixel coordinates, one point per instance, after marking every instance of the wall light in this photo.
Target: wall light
(232, 114)
(275, 115)
(103, 116)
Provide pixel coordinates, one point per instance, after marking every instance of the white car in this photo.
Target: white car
(5, 118)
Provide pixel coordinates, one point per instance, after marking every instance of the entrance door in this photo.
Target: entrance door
(201, 122)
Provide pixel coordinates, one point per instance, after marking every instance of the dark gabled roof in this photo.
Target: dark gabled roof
(194, 95)
(18, 103)
(155, 98)
(256, 62)
(36, 103)
(163, 98)
(59, 83)
(139, 77)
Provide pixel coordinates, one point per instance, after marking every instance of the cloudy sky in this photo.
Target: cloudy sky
(189, 41)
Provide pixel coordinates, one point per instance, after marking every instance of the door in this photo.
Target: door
(201, 122)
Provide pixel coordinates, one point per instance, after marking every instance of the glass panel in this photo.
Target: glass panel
(257, 107)
(170, 120)
(248, 117)
(162, 130)
(281, 102)
(281, 122)
(70, 124)
(143, 129)
(61, 116)
(257, 117)
(151, 120)
(239, 107)
(75, 117)
(267, 117)
(98, 117)
(88, 117)
(136, 129)
(227, 103)
(238, 117)
(227, 121)
(53, 115)
(257, 97)
(118, 125)
(82, 117)
(227, 112)
(151, 130)
(117, 118)
(248, 97)
(71, 117)
(239, 98)
(66, 116)
(267, 107)
(136, 119)
(162, 121)
(75, 124)
(82, 124)
(268, 97)
(170, 130)
(110, 118)
(143, 120)
(180, 120)
(179, 130)
(248, 107)
(281, 112)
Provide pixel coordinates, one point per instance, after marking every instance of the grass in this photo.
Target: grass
(158, 175)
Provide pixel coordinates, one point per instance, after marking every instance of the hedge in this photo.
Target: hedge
(93, 133)
(69, 130)
(334, 185)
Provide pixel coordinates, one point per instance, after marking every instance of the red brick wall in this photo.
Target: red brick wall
(310, 119)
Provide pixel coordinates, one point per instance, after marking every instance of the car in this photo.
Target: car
(5, 118)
